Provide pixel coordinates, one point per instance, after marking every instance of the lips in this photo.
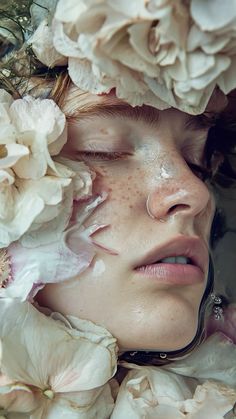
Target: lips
(192, 248)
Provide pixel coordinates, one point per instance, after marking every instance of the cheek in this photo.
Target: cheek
(123, 189)
(204, 221)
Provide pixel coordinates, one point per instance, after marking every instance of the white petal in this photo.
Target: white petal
(70, 10)
(62, 42)
(150, 392)
(17, 398)
(42, 45)
(34, 165)
(82, 75)
(39, 115)
(199, 63)
(212, 15)
(5, 98)
(78, 405)
(139, 33)
(14, 153)
(48, 353)
(139, 9)
(125, 54)
(50, 263)
(210, 400)
(214, 359)
(25, 209)
(226, 80)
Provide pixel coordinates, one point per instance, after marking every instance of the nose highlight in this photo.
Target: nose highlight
(175, 197)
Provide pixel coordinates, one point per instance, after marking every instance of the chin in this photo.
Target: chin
(172, 335)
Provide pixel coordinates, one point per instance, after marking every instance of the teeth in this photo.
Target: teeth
(176, 259)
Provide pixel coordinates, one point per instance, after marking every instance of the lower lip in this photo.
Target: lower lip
(172, 273)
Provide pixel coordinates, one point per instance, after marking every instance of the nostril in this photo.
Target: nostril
(177, 208)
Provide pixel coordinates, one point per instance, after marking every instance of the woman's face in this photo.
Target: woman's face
(157, 207)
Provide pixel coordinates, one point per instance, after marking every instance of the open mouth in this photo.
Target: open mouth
(183, 260)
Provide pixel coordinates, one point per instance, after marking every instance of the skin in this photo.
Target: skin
(154, 161)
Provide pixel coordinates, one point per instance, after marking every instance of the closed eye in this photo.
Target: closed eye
(101, 155)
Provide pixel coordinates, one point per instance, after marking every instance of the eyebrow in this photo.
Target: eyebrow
(145, 113)
(122, 110)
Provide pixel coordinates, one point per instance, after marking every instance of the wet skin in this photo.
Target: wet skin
(135, 157)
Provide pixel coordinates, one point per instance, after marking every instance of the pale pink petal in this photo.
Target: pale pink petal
(78, 405)
(50, 354)
(17, 398)
(152, 393)
(210, 400)
(214, 359)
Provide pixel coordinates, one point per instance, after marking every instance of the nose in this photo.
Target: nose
(184, 195)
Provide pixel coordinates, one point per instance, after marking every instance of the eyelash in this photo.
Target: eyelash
(102, 155)
(202, 172)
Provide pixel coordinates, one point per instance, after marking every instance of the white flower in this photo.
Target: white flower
(41, 127)
(148, 392)
(36, 191)
(154, 393)
(200, 386)
(65, 368)
(210, 400)
(214, 360)
(159, 52)
(29, 269)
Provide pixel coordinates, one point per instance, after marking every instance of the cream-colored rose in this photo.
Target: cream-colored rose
(154, 393)
(159, 52)
(37, 192)
(41, 126)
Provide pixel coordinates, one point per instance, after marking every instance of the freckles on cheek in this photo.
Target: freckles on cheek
(123, 189)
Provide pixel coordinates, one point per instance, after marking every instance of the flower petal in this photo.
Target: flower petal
(212, 15)
(78, 405)
(49, 353)
(214, 359)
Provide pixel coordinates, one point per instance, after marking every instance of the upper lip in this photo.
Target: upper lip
(191, 247)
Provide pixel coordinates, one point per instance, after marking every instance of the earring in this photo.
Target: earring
(217, 308)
